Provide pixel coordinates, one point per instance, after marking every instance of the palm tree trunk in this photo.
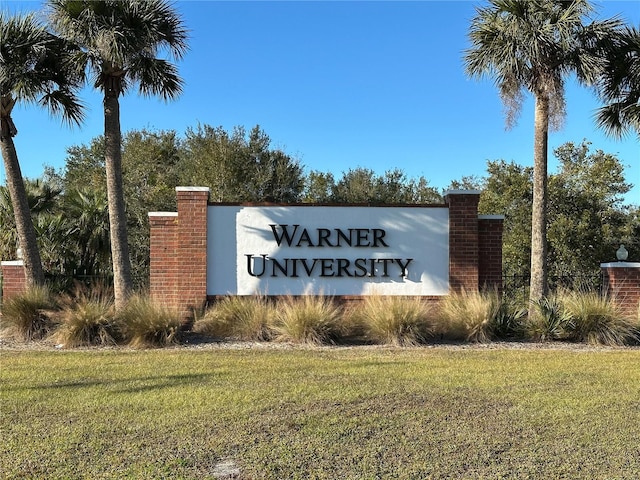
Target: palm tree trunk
(122, 281)
(24, 224)
(539, 214)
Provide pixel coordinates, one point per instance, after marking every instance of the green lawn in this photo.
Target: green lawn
(334, 413)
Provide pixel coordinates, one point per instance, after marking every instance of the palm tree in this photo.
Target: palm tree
(89, 230)
(534, 45)
(120, 41)
(619, 84)
(32, 70)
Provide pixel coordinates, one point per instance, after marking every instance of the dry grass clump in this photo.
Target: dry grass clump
(597, 320)
(395, 320)
(308, 319)
(24, 316)
(241, 318)
(468, 316)
(85, 317)
(144, 322)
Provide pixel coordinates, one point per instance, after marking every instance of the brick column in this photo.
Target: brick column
(164, 270)
(463, 239)
(621, 281)
(14, 279)
(490, 228)
(192, 244)
(178, 250)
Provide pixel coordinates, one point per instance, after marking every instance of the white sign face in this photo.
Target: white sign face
(313, 250)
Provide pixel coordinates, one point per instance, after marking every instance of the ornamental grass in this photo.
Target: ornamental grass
(85, 317)
(308, 319)
(598, 320)
(395, 320)
(468, 316)
(144, 323)
(24, 316)
(239, 318)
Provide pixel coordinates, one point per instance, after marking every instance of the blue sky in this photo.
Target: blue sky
(339, 85)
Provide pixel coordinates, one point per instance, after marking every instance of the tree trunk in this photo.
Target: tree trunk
(122, 282)
(24, 224)
(538, 285)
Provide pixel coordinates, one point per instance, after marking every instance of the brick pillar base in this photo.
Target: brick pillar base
(178, 251)
(622, 283)
(14, 280)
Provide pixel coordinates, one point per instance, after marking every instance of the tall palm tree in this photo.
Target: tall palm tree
(120, 41)
(619, 84)
(534, 45)
(32, 70)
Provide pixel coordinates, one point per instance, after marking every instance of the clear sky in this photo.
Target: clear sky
(339, 85)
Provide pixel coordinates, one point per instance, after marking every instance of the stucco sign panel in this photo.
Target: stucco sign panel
(314, 250)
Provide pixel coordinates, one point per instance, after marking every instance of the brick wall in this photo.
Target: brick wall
(13, 278)
(164, 265)
(463, 239)
(178, 250)
(490, 229)
(192, 244)
(622, 283)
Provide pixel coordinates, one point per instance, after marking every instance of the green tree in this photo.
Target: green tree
(120, 42)
(317, 187)
(33, 69)
(507, 190)
(42, 199)
(239, 167)
(363, 185)
(588, 219)
(422, 192)
(151, 166)
(86, 228)
(534, 45)
(587, 216)
(619, 83)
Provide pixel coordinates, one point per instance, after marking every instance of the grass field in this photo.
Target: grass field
(325, 413)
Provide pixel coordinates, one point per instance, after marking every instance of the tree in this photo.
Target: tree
(619, 83)
(587, 217)
(363, 185)
(151, 166)
(32, 70)
(318, 186)
(120, 41)
(86, 227)
(508, 191)
(534, 45)
(240, 167)
(42, 199)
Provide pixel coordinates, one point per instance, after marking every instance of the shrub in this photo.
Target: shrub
(394, 320)
(307, 319)
(145, 323)
(508, 322)
(242, 318)
(468, 316)
(85, 317)
(24, 316)
(548, 320)
(598, 320)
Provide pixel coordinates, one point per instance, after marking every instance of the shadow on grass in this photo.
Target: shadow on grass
(127, 385)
